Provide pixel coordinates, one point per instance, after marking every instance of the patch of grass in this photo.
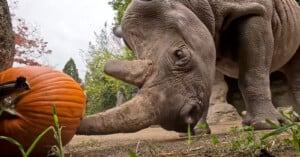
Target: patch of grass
(242, 142)
(191, 140)
(289, 127)
(131, 153)
(245, 140)
(149, 147)
(89, 143)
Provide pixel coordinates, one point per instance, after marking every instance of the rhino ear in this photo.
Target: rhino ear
(118, 31)
(133, 72)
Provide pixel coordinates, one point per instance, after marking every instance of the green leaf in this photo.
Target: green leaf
(131, 153)
(202, 126)
(234, 129)
(248, 128)
(287, 141)
(214, 140)
(295, 142)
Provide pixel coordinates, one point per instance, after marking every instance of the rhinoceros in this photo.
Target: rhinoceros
(180, 43)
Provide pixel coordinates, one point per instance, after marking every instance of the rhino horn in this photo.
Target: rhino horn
(136, 114)
(133, 72)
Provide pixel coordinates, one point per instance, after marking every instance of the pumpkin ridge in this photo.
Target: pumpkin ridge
(50, 77)
(56, 86)
(62, 111)
(36, 89)
(55, 91)
(55, 98)
(42, 125)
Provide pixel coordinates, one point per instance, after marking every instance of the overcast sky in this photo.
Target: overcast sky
(67, 25)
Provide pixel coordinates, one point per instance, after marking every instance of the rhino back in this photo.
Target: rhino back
(286, 30)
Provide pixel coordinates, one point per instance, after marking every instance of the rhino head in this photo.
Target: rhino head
(174, 70)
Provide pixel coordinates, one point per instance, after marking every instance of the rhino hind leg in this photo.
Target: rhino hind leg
(292, 71)
(255, 46)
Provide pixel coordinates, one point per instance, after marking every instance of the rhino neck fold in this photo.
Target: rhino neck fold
(202, 9)
(134, 115)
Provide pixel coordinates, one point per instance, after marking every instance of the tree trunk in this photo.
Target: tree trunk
(7, 43)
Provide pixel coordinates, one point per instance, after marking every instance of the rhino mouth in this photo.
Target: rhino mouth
(190, 113)
(189, 116)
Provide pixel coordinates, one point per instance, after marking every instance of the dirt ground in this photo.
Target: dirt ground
(155, 141)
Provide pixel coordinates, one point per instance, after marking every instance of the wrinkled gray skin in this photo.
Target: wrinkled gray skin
(179, 42)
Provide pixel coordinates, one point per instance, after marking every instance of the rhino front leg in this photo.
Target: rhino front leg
(292, 71)
(255, 50)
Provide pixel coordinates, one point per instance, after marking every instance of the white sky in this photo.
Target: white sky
(67, 26)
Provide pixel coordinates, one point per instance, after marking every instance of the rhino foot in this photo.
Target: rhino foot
(258, 121)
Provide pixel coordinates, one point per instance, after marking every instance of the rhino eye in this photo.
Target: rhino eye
(181, 57)
(179, 54)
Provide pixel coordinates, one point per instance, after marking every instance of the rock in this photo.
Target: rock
(219, 110)
(120, 97)
(222, 112)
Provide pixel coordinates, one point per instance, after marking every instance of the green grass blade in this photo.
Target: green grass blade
(272, 124)
(1, 111)
(279, 131)
(296, 143)
(189, 134)
(15, 142)
(41, 135)
(57, 132)
(55, 117)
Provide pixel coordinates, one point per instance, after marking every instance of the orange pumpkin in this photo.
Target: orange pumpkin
(34, 109)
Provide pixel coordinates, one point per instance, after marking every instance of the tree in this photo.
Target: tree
(29, 46)
(119, 6)
(71, 70)
(298, 1)
(6, 37)
(100, 88)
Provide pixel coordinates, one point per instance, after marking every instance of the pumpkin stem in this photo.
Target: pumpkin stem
(7, 89)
